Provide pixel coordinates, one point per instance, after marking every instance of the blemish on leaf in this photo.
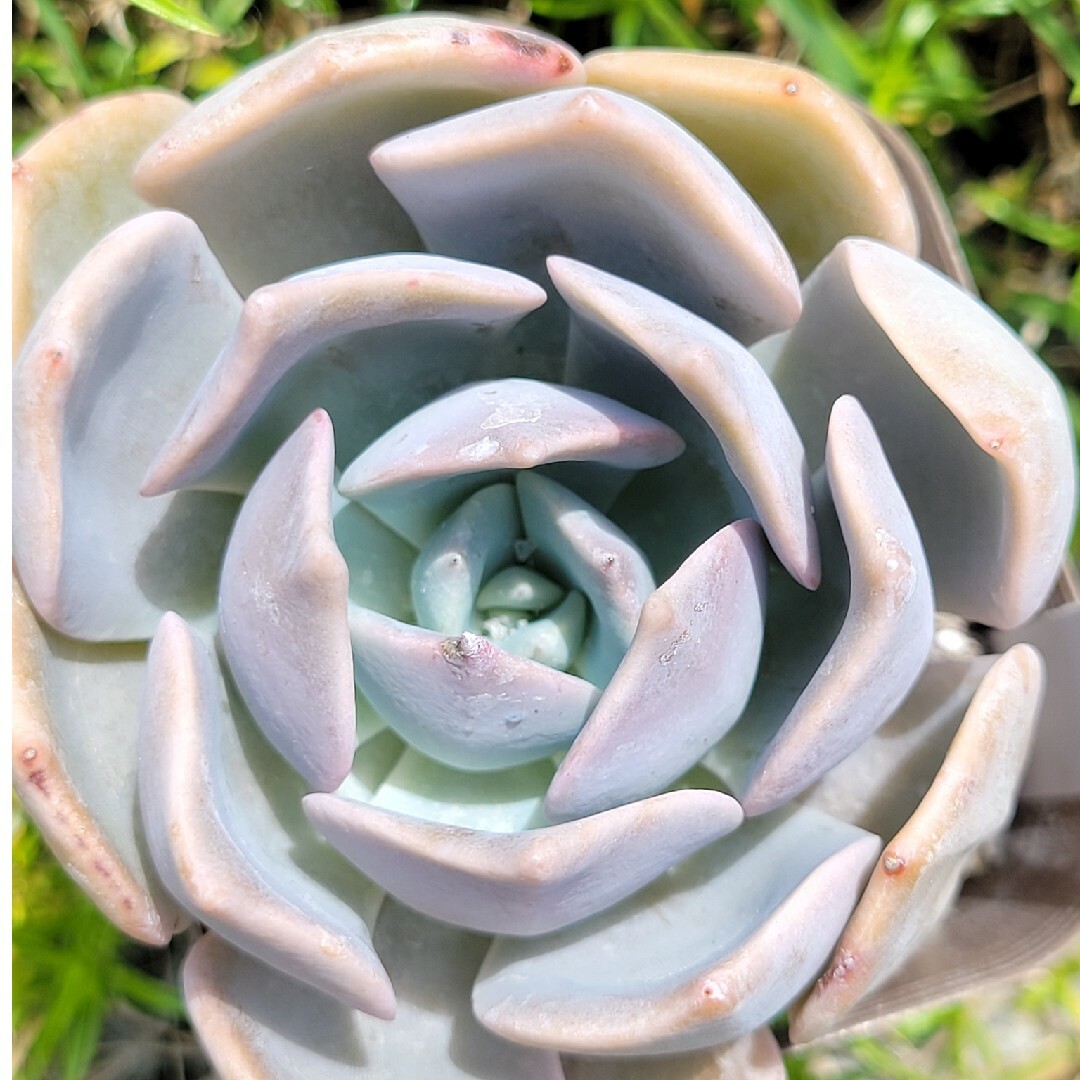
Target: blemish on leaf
(893, 864)
(840, 969)
(523, 46)
(458, 651)
(667, 656)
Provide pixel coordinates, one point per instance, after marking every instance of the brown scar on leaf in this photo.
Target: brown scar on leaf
(534, 50)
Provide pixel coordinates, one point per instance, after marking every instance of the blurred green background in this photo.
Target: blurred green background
(987, 88)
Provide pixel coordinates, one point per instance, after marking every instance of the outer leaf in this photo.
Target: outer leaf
(971, 800)
(72, 186)
(259, 1025)
(74, 725)
(776, 125)
(107, 369)
(661, 973)
(220, 839)
(284, 610)
(303, 123)
(519, 181)
(972, 423)
(525, 883)
(879, 786)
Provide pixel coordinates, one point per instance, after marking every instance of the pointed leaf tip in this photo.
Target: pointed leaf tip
(283, 607)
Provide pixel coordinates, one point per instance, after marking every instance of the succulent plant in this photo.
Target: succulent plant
(478, 550)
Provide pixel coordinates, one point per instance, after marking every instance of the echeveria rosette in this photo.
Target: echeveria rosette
(541, 581)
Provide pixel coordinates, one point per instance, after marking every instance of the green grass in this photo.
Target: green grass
(984, 86)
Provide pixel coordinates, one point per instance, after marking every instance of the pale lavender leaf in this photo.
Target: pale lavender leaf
(524, 883)
(795, 730)
(681, 685)
(1052, 773)
(260, 1025)
(879, 785)
(304, 122)
(476, 539)
(723, 383)
(971, 800)
(107, 369)
(973, 424)
(799, 146)
(418, 470)
(74, 726)
(588, 551)
(222, 820)
(516, 182)
(463, 700)
(394, 329)
(284, 603)
(662, 972)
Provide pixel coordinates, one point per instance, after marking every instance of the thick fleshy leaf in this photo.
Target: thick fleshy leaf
(939, 244)
(587, 550)
(780, 129)
(756, 1056)
(502, 801)
(463, 700)
(661, 972)
(1054, 770)
(879, 786)
(380, 562)
(969, 803)
(525, 883)
(221, 814)
(555, 639)
(304, 122)
(107, 369)
(72, 186)
(256, 1024)
(395, 330)
(519, 588)
(74, 725)
(284, 610)
(801, 722)
(418, 470)
(625, 324)
(514, 183)
(681, 685)
(476, 539)
(973, 424)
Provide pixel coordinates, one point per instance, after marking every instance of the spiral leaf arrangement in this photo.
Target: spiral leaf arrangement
(535, 479)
